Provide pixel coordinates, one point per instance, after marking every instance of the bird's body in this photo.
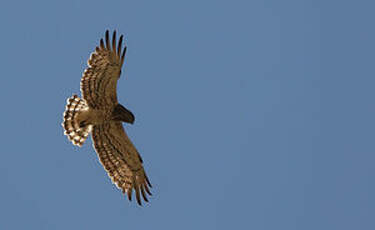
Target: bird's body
(100, 114)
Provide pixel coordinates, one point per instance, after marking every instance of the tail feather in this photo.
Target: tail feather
(76, 132)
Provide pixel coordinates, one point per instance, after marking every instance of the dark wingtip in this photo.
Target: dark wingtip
(138, 196)
(119, 45)
(129, 194)
(147, 189)
(123, 55)
(148, 181)
(101, 43)
(143, 193)
(139, 201)
(107, 39)
(114, 41)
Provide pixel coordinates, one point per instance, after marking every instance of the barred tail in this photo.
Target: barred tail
(76, 130)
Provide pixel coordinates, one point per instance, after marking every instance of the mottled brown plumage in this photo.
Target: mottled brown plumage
(100, 113)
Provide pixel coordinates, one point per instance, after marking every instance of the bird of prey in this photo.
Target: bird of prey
(98, 112)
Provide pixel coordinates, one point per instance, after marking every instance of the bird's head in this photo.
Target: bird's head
(120, 113)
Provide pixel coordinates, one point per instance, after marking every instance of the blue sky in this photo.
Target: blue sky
(249, 114)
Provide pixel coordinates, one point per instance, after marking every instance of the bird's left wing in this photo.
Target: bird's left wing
(120, 159)
(99, 80)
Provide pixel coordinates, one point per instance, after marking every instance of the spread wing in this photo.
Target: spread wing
(99, 80)
(120, 159)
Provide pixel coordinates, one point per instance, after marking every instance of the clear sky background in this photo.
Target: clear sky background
(249, 114)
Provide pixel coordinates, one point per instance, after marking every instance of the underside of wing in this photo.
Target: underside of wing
(121, 160)
(99, 80)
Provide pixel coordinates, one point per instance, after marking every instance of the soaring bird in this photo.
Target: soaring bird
(98, 112)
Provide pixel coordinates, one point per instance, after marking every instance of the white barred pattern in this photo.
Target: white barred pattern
(76, 134)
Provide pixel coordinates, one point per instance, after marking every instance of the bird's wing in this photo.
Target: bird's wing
(120, 159)
(99, 80)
